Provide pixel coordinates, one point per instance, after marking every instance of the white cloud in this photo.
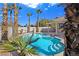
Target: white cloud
(46, 8)
(35, 5)
(32, 5)
(52, 4)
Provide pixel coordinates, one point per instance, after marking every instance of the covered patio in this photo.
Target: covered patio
(57, 24)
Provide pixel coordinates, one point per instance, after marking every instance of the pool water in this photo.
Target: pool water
(47, 45)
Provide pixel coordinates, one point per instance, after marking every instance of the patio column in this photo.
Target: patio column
(48, 28)
(56, 27)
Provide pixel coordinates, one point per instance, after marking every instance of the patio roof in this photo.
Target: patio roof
(58, 20)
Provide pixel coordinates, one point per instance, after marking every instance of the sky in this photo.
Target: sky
(49, 11)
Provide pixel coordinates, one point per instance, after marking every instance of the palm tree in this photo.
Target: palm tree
(16, 8)
(10, 18)
(13, 7)
(5, 23)
(71, 32)
(15, 20)
(38, 11)
(28, 27)
(10, 9)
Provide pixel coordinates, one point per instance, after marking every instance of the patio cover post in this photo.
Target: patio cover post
(56, 28)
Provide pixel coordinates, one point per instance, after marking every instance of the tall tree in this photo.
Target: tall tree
(5, 23)
(15, 8)
(38, 11)
(28, 27)
(10, 9)
(10, 18)
(15, 20)
(43, 22)
(71, 27)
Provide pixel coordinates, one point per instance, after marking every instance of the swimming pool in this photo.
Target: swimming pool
(47, 45)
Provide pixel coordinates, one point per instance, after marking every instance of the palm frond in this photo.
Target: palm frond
(18, 44)
(31, 51)
(8, 47)
(3, 51)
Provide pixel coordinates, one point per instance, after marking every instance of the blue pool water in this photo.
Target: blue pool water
(47, 45)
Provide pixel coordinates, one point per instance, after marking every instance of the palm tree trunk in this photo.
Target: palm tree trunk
(28, 27)
(10, 19)
(15, 20)
(5, 23)
(37, 25)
